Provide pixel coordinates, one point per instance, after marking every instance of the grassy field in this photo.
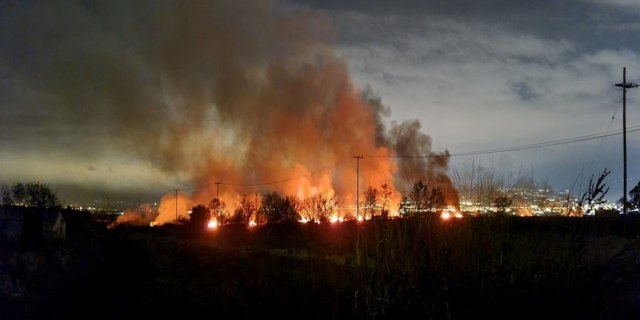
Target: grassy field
(498, 267)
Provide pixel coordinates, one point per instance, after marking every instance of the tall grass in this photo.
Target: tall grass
(450, 269)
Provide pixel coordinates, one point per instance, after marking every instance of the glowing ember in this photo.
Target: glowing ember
(252, 223)
(212, 224)
(334, 219)
(304, 220)
(152, 224)
(445, 215)
(458, 215)
(360, 218)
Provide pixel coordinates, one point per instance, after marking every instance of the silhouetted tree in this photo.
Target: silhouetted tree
(634, 196)
(246, 211)
(419, 197)
(371, 196)
(289, 212)
(278, 208)
(5, 195)
(424, 198)
(319, 207)
(183, 221)
(478, 183)
(200, 217)
(19, 193)
(436, 199)
(237, 217)
(219, 211)
(34, 194)
(385, 193)
(595, 193)
(502, 203)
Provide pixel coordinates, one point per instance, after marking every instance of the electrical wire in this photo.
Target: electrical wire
(258, 184)
(516, 148)
(480, 152)
(602, 140)
(337, 164)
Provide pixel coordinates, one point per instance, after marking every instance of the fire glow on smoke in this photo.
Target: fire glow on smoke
(246, 107)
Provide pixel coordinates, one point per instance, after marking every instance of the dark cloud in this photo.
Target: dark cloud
(145, 73)
(581, 20)
(248, 90)
(524, 89)
(507, 74)
(121, 80)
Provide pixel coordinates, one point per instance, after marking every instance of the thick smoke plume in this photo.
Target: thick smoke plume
(231, 91)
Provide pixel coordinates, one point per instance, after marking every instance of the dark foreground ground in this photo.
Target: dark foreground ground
(531, 268)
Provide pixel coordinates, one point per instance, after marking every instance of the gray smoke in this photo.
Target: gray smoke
(238, 90)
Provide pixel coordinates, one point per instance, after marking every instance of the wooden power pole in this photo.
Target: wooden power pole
(624, 85)
(357, 185)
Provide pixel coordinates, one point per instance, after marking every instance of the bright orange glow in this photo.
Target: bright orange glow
(283, 151)
(212, 224)
(458, 215)
(334, 219)
(445, 216)
(252, 223)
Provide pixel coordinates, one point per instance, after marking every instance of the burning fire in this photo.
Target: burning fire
(212, 224)
(449, 213)
(290, 73)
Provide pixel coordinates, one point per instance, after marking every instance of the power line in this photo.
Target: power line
(357, 185)
(602, 140)
(625, 85)
(515, 148)
(337, 164)
(480, 152)
(322, 169)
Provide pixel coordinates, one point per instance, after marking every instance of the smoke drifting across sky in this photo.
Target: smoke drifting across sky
(231, 91)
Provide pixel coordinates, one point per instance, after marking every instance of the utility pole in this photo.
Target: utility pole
(357, 185)
(218, 190)
(176, 190)
(624, 85)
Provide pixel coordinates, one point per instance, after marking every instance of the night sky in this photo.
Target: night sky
(88, 97)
